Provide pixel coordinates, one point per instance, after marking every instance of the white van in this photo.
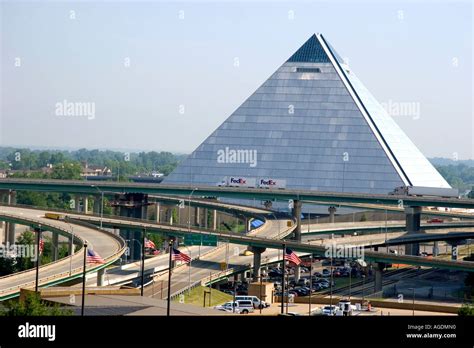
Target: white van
(257, 303)
(241, 307)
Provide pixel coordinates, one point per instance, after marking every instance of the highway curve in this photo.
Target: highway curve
(106, 244)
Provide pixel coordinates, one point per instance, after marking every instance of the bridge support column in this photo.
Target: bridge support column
(197, 216)
(97, 206)
(332, 214)
(257, 261)
(77, 203)
(133, 205)
(85, 204)
(412, 216)
(11, 226)
(435, 248)
(214, 219)
(157, 212)
(55, 245)
(71, 245)
(378, 279)
(101, 277)
(297, 232)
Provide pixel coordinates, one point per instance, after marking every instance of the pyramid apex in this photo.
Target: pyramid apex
(310, 52)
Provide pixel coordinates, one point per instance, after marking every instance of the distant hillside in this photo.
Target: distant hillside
(440, 161)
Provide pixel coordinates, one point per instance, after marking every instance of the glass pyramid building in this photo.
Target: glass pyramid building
(313, 126)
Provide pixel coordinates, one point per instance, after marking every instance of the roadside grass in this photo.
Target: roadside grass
(196, 297)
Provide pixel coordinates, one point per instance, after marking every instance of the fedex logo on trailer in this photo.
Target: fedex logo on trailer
(239, 181)
(268, 182)
(272, 183)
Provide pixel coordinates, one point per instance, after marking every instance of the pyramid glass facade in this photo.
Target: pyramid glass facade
(311, 125)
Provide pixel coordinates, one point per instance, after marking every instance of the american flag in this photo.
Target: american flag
(292, 257)
(41, 245)
(177, 255)
(149, 244)
(94, 257)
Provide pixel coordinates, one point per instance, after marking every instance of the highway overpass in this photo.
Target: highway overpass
(85, 187)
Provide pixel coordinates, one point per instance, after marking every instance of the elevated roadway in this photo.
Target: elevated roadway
(109, 246)
(86, 187)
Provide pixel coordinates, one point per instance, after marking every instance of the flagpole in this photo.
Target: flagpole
(283, 281)
(143, 261)
(171, 242)
(84, 280)
(38, 241)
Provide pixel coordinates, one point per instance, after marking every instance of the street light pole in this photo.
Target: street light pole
(168, 305)
(310, 282)
(143, 262)
(189, 218)
(38, 257)
(84, 280)
(71, 248)
(101, 204)
(189, 274)
(283, 281)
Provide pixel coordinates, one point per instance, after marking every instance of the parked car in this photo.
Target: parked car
(329, 310)
(326, 273)
(302, 282)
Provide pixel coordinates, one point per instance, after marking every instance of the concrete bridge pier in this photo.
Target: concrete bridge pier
(77, 203)
(297, 232)
(332, 214)
(214, 220)
(412, 221)
(435, 248)
(257, 261)
(85, 204)
(132, 205)
(378, 279)
(10, 226)
(157, 211)
(197, 216)
(55, 245)
(101, 277)
(97, 206)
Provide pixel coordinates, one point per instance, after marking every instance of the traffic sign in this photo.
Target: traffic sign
(192, 239)
(209, 240)
(200, 239)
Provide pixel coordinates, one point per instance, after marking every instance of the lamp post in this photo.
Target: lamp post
(168, 302)
(143, 262)
(38, 258)
(189, 274)
(189, 218)
(84, 279)
(101, 204)
(142, 247)
(71, 248)
(413, 299)
(310, 282)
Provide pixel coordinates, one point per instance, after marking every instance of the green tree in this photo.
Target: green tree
(466, 310)
(32, 305)
(25, 238)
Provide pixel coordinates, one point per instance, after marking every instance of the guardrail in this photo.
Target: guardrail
(71, 274)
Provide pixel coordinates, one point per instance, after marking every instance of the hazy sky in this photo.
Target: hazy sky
(163, 76)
